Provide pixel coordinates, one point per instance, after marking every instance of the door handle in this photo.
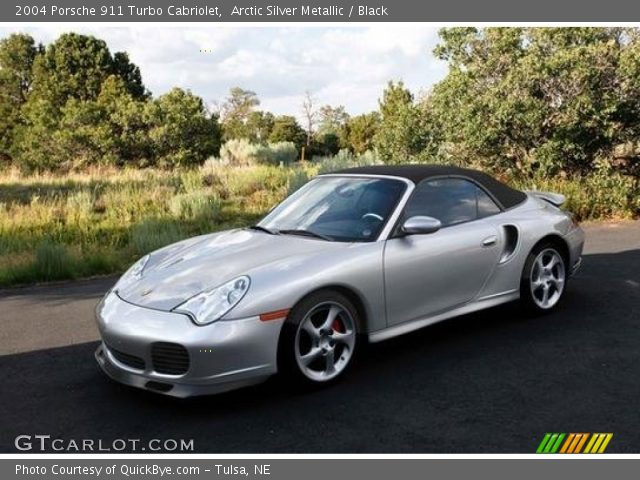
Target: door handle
(492, 240)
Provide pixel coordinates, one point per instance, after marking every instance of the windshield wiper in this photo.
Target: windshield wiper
(260, 228)
(306, 233)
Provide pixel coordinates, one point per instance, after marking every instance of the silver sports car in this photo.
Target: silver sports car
(358, 255)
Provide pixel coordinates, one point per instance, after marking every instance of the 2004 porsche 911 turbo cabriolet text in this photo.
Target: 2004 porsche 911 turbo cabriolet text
(362, 254)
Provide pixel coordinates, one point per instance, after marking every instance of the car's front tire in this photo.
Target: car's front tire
(319, 338)
(544, 278)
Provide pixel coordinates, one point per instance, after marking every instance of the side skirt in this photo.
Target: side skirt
(479, 304)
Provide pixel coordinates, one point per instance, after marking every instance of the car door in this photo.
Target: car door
(427, 274)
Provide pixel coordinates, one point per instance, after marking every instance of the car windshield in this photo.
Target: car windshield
(346, 209)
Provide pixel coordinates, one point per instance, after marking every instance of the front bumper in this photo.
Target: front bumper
(222, 356)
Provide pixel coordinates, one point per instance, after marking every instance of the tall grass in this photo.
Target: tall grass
(194, 205)
(98, 222)
(54, 227)
(53, 261)
(152, 234)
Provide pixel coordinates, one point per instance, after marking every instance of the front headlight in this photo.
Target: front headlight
(210, 305)
(133, 274)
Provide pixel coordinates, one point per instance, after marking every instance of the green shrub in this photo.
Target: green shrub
(346, 159)
(605, 193)
(280, 153)
(239, 152)
(297, 178)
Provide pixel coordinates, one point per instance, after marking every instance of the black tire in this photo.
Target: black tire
(288, 355)
(532, 298)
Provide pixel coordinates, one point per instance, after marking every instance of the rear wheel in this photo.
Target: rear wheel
(543, 279)
(319, 339)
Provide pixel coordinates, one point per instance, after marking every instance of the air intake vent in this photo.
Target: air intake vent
(127, 359)
(510, 242)
(169, 358)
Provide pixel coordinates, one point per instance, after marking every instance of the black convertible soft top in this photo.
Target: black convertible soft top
(507, 196)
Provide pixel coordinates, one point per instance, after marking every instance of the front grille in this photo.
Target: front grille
(127, 359)
(169, 358)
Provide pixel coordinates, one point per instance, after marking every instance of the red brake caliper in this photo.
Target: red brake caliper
(337, 325)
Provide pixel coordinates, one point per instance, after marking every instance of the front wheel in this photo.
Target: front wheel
(543, 279)
(319, 338)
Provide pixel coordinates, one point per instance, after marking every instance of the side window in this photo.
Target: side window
(450, 200)
(486, 206)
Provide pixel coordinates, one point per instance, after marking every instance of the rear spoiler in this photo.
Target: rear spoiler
(553, 198)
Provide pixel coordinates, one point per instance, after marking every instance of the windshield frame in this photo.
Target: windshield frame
(387, 227)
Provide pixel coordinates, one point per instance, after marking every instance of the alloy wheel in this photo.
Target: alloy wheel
(547, 278)
(325, 341)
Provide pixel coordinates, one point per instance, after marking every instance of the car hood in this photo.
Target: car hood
(182, 270)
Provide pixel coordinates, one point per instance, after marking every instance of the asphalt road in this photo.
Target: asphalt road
(495, 381)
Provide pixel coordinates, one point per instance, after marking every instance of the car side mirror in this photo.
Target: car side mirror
(420, 225)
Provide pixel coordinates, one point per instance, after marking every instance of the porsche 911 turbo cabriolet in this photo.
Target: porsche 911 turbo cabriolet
(358, 255)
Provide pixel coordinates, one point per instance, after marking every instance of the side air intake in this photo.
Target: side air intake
(510, 242)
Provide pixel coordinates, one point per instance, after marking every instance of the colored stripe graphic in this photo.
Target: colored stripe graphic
(574, 443)
(555, 447)
(567, 443)
(543, 443)
(581, 443)
(605, 443)
(598, 443)
(591, 442)
(550, 443)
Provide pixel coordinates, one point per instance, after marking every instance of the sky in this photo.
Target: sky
(339, 65)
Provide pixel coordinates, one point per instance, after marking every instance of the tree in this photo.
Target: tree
(17, 54)
(67, 79)
(545, 99)
(181, 130)
(310, 115)
(360, 132)
(84, 136)
(287, 129)
(258, 126)
(236, 112)
(73, 104)
(128, 125)
(331, 134)
(108, 130)
(327, 144)
(332, 119)
(32, 138)
(74, 66)
(402, 134)
(130, 75)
